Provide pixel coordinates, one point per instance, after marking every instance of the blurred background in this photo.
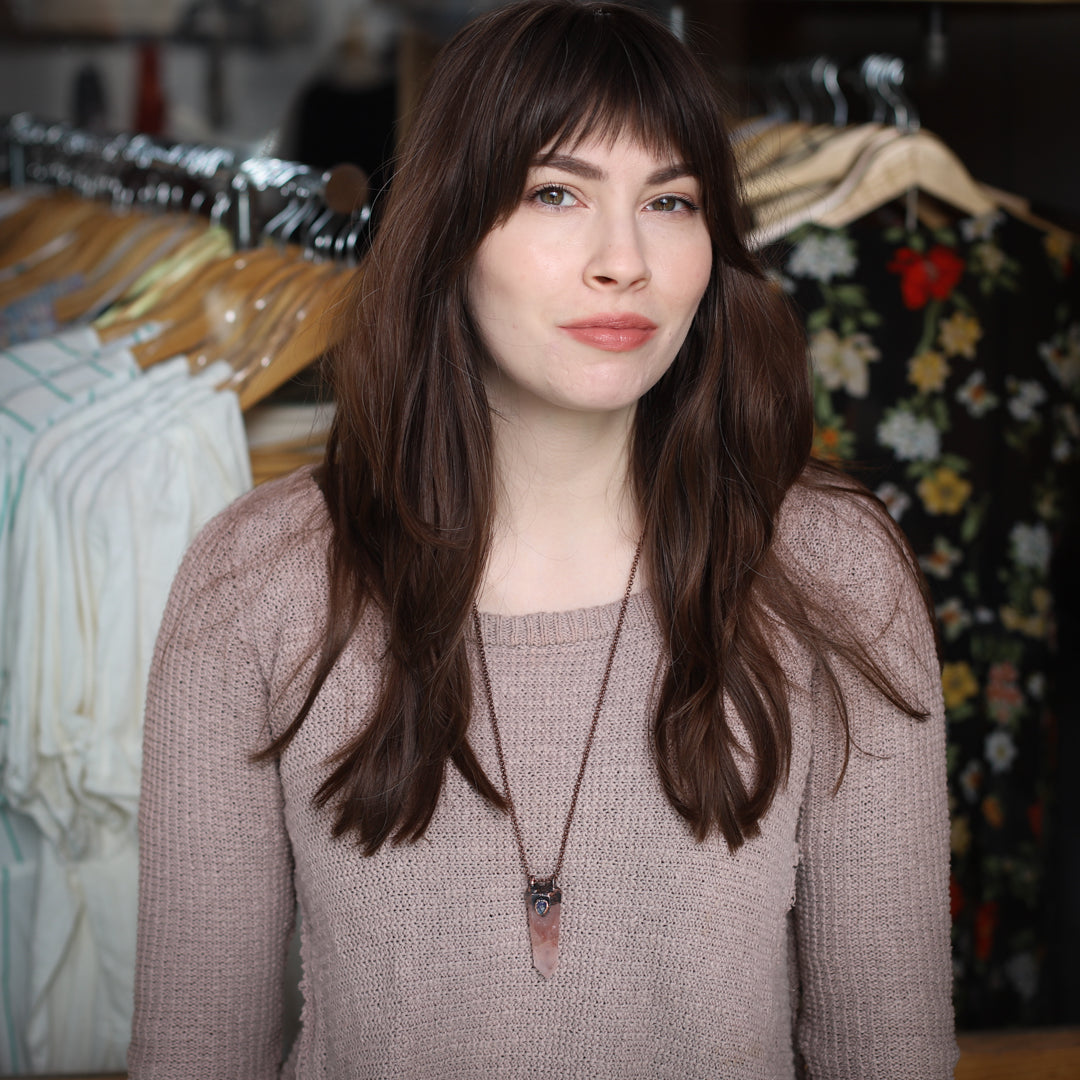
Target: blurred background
(997, 81)
(322, 82)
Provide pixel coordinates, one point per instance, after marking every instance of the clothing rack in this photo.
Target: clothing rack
(169, 272)
(246, 195)
(804, 161)
(820, 89)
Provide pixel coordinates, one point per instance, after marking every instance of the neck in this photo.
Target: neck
(566, 525)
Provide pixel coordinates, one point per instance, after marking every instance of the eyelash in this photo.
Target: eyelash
(534, 196)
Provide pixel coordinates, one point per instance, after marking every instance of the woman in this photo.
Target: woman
(595, 730)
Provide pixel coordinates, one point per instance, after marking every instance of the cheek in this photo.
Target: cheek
(698, 271)
(498, 289)
(686, 274)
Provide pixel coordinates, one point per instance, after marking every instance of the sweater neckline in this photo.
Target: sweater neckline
(541, 628)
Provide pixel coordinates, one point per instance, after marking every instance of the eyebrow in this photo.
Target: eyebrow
(587, 171)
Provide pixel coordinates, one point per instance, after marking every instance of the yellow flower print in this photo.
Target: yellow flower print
(993, 812)
(990, 258)
(958, 683)
(828, 439)
(960, 836)
(928, 371)
(944, 491)
(1059, 247)
(1046, 505)
(959, 334)
(1035, 626)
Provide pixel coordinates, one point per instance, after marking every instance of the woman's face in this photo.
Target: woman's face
(585, 294)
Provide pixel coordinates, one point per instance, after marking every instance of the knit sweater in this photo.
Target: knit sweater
(825, 937)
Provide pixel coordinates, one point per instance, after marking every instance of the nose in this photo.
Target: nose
(618, 258)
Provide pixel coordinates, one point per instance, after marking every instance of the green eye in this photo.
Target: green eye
(667, 203)
(554, 196)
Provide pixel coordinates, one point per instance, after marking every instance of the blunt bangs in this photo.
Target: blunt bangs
(535, 78)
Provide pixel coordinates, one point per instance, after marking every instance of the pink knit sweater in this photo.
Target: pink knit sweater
(826, 937)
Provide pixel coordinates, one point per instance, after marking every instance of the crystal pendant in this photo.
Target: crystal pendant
(544, 900)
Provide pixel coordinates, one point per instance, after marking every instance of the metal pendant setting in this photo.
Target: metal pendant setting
(544, 900)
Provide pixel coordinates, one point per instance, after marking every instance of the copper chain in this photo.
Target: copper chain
(588, 741)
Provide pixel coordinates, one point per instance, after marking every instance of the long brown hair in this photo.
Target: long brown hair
(717, 443)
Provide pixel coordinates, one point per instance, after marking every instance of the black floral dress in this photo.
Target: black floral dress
(947, 375)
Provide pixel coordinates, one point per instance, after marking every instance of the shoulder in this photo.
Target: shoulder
(835, 530)
(265, 524)
(273, 538)
(838, 542)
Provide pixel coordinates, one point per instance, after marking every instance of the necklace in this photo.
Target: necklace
(543, 897)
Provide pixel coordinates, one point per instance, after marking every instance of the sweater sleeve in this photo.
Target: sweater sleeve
(216, 899)
(872, 908)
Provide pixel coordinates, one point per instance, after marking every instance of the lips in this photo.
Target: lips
(613, 333)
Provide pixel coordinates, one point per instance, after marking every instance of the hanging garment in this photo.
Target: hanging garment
(107, 475)
(112, 496)
(946, 373)
(39, 382)
(34, 315)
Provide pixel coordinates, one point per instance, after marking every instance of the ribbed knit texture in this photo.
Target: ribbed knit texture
(676, 958)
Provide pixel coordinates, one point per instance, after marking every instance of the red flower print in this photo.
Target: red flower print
(956, 897)
(985, 924)
(1003, 694)
(1035, 819)
(926, 277)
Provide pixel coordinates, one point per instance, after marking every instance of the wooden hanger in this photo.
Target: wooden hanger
(40, 222)
(315, 330)
(792, 145)
(887, 169)
(760, 149)
(189, 298)
(115, 275)
(248, 318)
(209, 318)
(165, 277)
(827, 161)
(919, 160)
(89, 244)
(282, 317)
(304, 320)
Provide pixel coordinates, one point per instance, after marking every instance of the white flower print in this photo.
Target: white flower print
(981, 227)
(895, 499)
(843, 361)
(942, 560)
(971, 780)
(1031, 546)
(953, 617)
(1062, 356)
(782, 280)
(1000, 751)
(823, 256)
(975, 396)
(910, 437)
(1027, 396)
(1023, 972)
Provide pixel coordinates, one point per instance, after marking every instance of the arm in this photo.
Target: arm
(216, 902)
(872, 895)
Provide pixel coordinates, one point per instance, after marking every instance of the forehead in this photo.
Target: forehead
(622, 144)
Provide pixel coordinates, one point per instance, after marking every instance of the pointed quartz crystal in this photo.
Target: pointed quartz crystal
(544, 934)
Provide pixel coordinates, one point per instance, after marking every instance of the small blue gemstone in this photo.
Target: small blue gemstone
(540, 906)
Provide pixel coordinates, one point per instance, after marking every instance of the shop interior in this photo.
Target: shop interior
(880, 140)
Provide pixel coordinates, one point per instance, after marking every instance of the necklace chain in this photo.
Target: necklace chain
(588, 741)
